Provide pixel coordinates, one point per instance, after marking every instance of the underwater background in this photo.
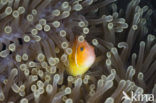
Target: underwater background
(36, 38)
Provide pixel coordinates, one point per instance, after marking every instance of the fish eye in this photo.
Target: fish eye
(81, 48)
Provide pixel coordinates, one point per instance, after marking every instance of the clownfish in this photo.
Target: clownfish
(81, 58)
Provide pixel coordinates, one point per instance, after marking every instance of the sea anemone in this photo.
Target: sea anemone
(36, 38)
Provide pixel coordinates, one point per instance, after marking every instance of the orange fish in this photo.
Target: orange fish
(81, 59)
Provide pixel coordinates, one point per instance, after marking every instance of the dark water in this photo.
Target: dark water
(152, 4)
